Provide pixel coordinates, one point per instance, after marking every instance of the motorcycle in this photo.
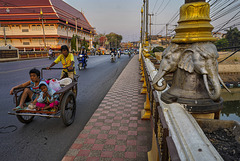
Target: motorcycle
(112, 57)
(82, 62)
(129, 54)
(119, 54)
(51, 56)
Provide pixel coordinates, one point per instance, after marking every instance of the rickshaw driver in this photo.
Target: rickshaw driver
(67, 60)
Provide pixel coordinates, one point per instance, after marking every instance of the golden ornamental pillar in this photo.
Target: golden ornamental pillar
(192, 58)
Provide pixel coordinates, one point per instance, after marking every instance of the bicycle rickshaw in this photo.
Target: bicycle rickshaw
(65, 110)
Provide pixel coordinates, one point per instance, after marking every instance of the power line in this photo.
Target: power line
(159, 7)
(225, 10)
(174, 17)
(163, 8)
(220, 10)
(229, 21)
(154, 5)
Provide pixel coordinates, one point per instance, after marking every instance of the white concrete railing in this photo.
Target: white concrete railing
(190, 141)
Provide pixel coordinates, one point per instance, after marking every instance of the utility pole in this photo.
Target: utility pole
(150, 27)
(4, 30)
(142, 25)
(76, 34)
(5, 38)
(144, 19)
(147, 2)
(67, 32)
(41, 13)
(166, 34)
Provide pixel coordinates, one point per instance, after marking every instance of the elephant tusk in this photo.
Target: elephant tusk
(221, 81)
(214, 97)
(162, 87)
(206, 83)
(158, 76)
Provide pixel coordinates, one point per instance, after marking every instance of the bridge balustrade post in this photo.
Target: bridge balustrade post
(146, 112)
(192, 58)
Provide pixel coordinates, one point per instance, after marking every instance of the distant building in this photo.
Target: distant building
(21, 24)
(218, 35)
(130, 45)
(159, 40)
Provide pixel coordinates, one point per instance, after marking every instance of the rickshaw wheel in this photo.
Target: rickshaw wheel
(23, 119)
(68, 108)
(74, 89)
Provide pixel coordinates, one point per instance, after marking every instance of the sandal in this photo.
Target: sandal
(17, 108)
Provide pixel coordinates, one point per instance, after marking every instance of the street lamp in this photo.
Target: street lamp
(76, 33)
(41, 13)
(4, 30)
(67, 32)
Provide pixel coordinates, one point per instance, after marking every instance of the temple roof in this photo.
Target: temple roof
(29, 10)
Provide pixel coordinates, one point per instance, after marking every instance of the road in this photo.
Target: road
(49, 139)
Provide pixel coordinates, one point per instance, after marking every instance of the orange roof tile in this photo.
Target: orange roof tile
(29, 10)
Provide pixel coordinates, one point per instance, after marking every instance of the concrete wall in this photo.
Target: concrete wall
(29, 30)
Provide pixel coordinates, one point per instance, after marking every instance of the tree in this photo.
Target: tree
(100, 39)
(73, 42)
(114, 40)
(85, 44)
(222, 43)
(233, 37)
(95, 43)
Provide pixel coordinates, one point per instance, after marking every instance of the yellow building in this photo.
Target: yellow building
(39, 24)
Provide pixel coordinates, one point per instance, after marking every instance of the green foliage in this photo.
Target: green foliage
(85, 44)
(97, 37)
(233, 37)
(222, 43)
(152, 54)
(73, 42)
(158, 49)
(114, 40)
(95, 43)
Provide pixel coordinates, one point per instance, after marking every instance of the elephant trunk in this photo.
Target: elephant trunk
(216, 91)
(157, 78)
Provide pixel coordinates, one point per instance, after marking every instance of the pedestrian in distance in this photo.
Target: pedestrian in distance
(30, 93)
(67, 60)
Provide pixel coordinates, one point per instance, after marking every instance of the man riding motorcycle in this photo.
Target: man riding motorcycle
(82, 58)
(51, 54)
(119, 53)
(113, 54)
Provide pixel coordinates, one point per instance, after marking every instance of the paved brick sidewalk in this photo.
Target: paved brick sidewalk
(115, 131)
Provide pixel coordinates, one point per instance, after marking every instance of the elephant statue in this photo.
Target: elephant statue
(168, 64)
(197, 57)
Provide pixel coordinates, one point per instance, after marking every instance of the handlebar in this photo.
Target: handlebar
(53, 69)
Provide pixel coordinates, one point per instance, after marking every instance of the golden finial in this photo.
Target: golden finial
(194, 24)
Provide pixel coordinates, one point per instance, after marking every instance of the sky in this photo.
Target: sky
(124, 16)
